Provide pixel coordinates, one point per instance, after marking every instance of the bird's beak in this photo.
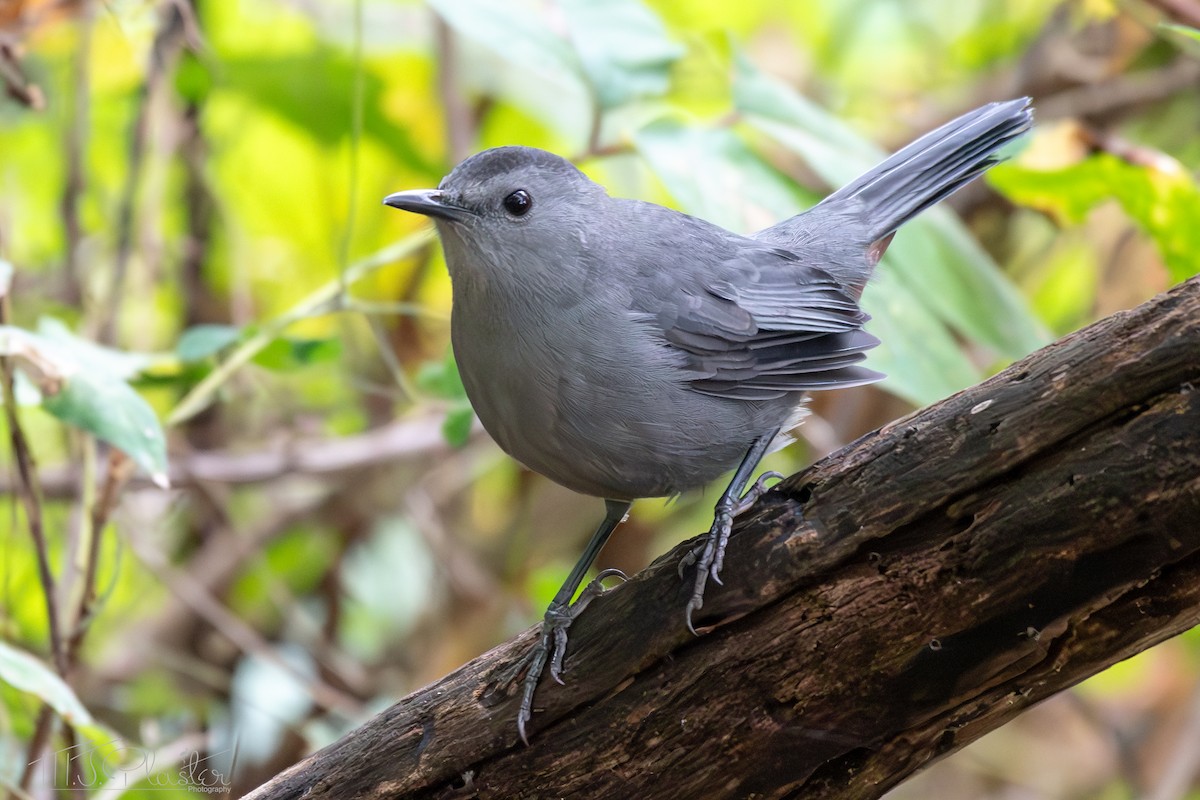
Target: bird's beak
(430, 202)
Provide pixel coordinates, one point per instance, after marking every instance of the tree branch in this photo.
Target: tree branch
(880, 610)
(403, 441)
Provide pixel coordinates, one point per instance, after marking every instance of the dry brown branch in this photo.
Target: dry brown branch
(880, 610)
(1118, 95)
(168, 41)
(30, 493)
(408, 439)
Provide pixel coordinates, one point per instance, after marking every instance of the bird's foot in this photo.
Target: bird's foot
(709, 555)
(552, 646)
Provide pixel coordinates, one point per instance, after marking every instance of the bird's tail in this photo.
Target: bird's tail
(934, 166)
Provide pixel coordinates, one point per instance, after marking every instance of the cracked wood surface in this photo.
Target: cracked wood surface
(881, 609)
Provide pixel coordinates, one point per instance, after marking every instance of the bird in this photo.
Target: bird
(626, 350)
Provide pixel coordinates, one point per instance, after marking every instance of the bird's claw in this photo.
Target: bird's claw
(690, 558)
(552, 645)
(709, 556)
(756, 491)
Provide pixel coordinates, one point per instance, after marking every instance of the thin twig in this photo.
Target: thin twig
(1184, 11)
(76, 138)
(16, 84)
(31, 498)
(120, 468)
(37, 743)
(200, 305)
(1122, 93)
(167, 42)
(76, 780)
(356, 129)
(415, 437)
(326, 299)
(388, 356)
(233, 628)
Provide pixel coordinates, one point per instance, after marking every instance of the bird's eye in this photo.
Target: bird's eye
(518, 203)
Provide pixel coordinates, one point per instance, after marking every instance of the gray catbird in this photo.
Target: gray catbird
(626, 350)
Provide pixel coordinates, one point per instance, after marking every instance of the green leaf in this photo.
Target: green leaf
(623, 46)
(310, 351)
(27, 673)
(118, 363)
(922, 359)
(513, 31)
(113, 412)
(441, 379)
(1064, 290)
(309, 90)
(287, 354)
(201, 341)
(456, 428)
(1160, 197)
(712, 174)
(323, 299)
(832, 149)
(193, 78)
(78, 385)
(512, 54)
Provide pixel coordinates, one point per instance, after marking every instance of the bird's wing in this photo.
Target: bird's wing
(763, 327)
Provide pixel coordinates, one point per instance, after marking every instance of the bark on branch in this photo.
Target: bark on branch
(881, 609)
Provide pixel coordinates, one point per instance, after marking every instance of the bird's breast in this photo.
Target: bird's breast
(590, 399)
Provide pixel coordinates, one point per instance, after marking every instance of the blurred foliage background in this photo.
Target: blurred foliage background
(200, 283)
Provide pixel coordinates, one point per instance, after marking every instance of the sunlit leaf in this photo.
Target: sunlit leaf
(1162, 198)
(310, 91)
(193, 78)
(1065, 294)
(1187, 32)
(624, 48)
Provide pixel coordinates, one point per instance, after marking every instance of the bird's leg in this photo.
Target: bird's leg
(710, 555)
(562, 612)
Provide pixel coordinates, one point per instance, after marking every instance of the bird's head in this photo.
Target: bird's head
(516, 209)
